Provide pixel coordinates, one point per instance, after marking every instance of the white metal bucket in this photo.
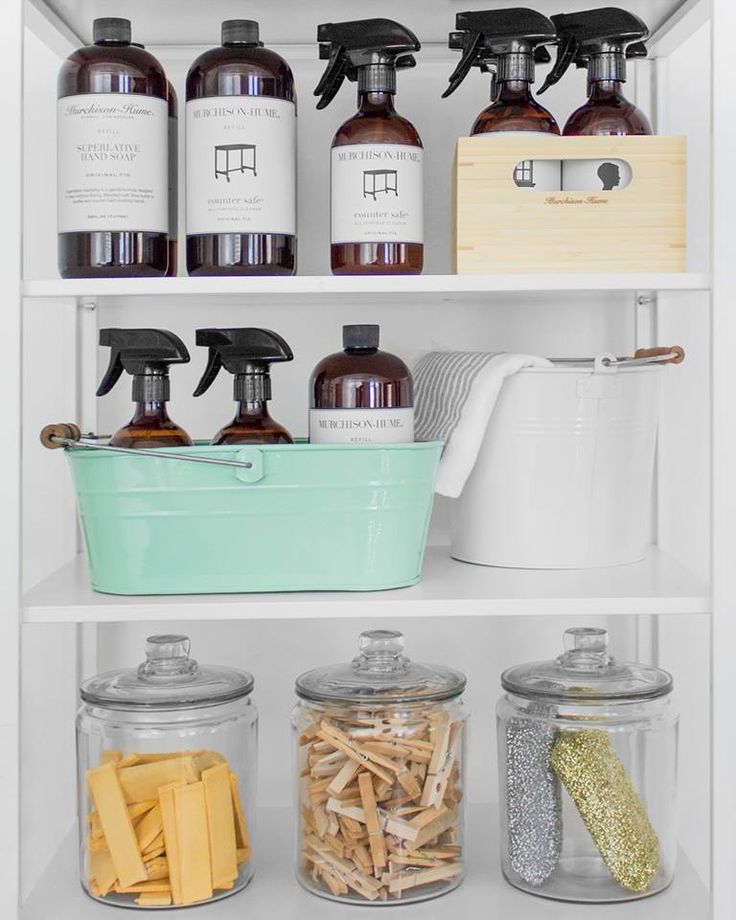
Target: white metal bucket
(564, 476)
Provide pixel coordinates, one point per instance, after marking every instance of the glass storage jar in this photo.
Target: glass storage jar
(587, 772)
(166, 756)
(380, 746)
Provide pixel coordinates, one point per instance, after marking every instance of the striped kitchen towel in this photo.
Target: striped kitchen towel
(455, 393)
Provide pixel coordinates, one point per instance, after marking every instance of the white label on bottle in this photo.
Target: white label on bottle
(361, 426)
(241, 165)
(595, 175)
(112, 163)
(377, 193)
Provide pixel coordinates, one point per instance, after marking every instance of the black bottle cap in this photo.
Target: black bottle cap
(240, 32)
(364, 336)
(245, 353)
(111, 29)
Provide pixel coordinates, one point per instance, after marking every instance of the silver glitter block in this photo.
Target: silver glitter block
(532, 801)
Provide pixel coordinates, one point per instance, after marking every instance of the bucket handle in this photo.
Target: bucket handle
(69, 435)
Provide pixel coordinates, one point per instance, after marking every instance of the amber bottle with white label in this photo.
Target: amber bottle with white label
(376, 188)
(240, 158)
(361, 395)
(112, 111)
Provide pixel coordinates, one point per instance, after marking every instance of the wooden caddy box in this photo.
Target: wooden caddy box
(499, 227)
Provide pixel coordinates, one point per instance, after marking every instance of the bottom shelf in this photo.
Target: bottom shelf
(275, 894)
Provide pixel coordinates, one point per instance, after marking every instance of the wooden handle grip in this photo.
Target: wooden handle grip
(677, 352)
(65, 430)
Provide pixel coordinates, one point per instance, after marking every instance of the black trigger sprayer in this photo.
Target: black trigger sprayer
(247, 354)
(145, 354)
(506, 44)
(601, 41)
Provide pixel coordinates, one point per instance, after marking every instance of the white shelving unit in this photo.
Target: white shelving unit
(676, 608)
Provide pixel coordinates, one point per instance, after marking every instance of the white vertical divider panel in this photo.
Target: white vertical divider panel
(11, 45)
(724, 451)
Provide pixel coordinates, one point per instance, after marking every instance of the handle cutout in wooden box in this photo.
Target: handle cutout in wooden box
(572, 204)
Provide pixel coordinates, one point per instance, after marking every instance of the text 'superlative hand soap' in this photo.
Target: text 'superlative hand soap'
(377, 178)
(361, 395)
(112, 111)
(507, 44)
(240, 158)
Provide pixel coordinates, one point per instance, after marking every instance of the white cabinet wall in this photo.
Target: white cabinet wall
(675, 609)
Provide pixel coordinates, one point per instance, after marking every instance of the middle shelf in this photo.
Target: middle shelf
(657, 585)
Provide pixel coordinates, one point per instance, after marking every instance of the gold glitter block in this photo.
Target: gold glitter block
(609, 805)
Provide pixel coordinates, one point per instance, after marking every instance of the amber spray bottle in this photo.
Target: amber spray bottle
(112, 114)
(240, 158)
(247, 354)
(146, 355)
(600, 40)
(376, 184)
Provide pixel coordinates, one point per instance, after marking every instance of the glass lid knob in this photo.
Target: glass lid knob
(381, 650)
(167, 656)
(586, 649)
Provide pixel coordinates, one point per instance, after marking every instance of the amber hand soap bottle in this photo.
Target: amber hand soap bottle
(376, 185)
(240, 158)
(247, 354)
(361, 395)
(146, 355)
(112, 115)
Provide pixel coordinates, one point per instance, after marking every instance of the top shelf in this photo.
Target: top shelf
(321, 287)
(287, 22)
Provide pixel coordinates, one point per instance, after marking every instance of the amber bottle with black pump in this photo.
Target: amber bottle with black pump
(146, 355)
(240, 158)
(112, 114)
(247, 354)
(377, 207)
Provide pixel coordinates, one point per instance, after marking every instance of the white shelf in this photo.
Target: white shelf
(283, 21)
(274, 892)
(658, 585)
(319, 288)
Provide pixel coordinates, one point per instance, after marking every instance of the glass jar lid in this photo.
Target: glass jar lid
(586, 673)
(381, 674)
(167, 679)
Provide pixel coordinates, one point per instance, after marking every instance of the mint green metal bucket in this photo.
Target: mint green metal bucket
(305, 517)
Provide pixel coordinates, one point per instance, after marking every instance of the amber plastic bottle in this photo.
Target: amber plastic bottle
(146, 355)
(361, 395)
(109, 142)
(241, 154)
(377, 122)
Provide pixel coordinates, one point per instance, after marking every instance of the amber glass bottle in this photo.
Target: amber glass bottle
(112, 122)
(173, 266)
(376, 123)
(361, 395)
(515, 109)
(241, 158)
(247, 354)
(151, 427)
(146, 355)
(607, 111)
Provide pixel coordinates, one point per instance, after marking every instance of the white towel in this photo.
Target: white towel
(455, 394)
